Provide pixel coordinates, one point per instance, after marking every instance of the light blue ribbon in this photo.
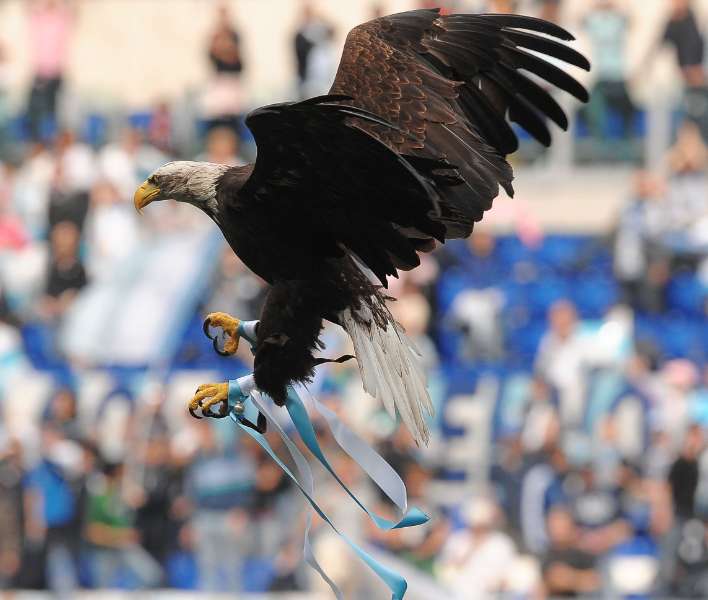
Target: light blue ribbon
(302, 423)
(246, 403)
(381, 473)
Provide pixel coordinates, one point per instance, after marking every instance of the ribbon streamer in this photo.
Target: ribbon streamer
(371, 462)
(247, 403)
(247, 406)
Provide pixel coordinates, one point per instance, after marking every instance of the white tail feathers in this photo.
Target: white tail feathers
(390, 369)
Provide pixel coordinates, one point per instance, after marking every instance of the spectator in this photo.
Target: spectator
(77, 159)
(550, 10)
(13, 234)
(683, 476)
(476, 311)
(51, 23)
(686, 550)
(568, 571)
(154, 496)
(30, 189)
(222, 147)
(378, 11)
(272, 494)
(597, 510)
(160, 130)
(685, 216)
(112, 232)
(314, 53)
(474, 561)
(561, 360)
(412, 311)
(62, 413)
(11, 517)
(4, 91)
(53, 516)
(223, 101)
(113, 539)
(220, 484)
(640, 261)
(502, 6)
(608, 27)
(689, 155)
(65, 204)
(684, 34)
(506, 474)
(419, 546)
(127, 161)
(66, 274)
(542, 487)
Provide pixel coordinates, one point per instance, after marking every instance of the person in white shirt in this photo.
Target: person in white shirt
(474, 561)
(561, 360)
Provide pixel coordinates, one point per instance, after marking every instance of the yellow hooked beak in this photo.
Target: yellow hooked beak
(145, 194)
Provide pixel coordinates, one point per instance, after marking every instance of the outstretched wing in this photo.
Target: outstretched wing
(342, 190)
(451, 84)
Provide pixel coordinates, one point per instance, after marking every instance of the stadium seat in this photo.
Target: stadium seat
(181, 571)
(593, 294)
(95, 129)
(673, 335)
(140, 120)
(542, 294)
(561, 252)
(686, 294)
(511, 250)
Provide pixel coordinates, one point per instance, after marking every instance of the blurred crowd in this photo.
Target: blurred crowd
(580, 470)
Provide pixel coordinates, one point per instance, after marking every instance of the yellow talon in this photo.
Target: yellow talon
(230, 326)
(208, 395)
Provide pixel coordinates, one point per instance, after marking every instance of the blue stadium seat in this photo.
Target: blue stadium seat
(18, 128)
(181, 571)
(542, 294)
(687, 295)
(674, 336)
(581, 129)
(449, 287)
(604, 387)
(522, 342)
(511, 250)
(593, 294)
(140, 120)
(95, 129)
(511, 405)
(258, 574)
(561, 251)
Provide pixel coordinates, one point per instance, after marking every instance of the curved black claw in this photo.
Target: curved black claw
(222, 414)
(219, 336)
(205, 328)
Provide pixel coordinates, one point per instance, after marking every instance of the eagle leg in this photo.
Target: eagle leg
(229, 325)
(208, 395)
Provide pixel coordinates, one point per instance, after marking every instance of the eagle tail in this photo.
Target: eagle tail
(390, 365)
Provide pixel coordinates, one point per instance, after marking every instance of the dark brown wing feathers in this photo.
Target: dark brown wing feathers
(451, 83)
(409, 146)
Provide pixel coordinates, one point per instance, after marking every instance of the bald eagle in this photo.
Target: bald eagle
(408, 149)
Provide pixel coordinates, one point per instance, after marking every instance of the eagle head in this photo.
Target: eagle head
(183, 181)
